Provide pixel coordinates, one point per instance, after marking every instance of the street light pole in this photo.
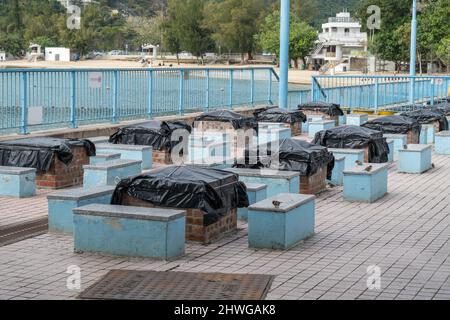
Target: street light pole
(412, 63)
(284, 52)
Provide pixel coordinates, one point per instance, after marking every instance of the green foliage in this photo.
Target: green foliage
(302, 36)
(233, 23)
(443, 51)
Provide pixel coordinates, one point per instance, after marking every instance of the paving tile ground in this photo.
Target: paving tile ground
(405, 234)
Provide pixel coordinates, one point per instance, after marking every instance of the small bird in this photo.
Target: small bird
(433, 166)
(368, 169)
(359, 163)
(405, 147)
(276, 204)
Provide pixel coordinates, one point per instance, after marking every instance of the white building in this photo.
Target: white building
(2, 56)
(341, 40)
(57, 54)
(150, 50)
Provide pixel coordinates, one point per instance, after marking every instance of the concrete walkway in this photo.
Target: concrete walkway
(406, 235)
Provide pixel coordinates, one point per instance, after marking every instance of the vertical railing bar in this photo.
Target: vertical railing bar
(181, 105)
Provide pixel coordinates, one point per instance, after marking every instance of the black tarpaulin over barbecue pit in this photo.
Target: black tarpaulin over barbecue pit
(157, 134)
(394, 124)
(281, 115)
(443, 107)
(354, 137)
(237, 120)
(187, 187)
(294, 155)
(39, 152)
(330, 109)
(428, 116)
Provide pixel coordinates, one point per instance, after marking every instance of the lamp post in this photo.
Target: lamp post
(412, 63)
(284, 52)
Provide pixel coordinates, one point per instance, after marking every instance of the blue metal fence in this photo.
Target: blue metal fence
(379, 92)
(32, 99)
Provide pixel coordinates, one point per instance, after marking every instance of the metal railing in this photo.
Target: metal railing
(36, 99)
(376, 93)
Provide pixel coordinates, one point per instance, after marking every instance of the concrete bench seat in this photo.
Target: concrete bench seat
(443, 143)
(351, 155)
(416, 158)
(276, 181)
(130, 152)
(357, 119)
(400, 141)
(391, 145)
(61, 205)
(273, 134)
(109, 173)
(282, 227)
(337, 177)
(256, 192)
(317, 126)
(17, 182)
(104, 157)
(130, 231)
(427, 134)
(311, 118)
(366, 186)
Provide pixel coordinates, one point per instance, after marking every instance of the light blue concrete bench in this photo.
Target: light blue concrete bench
(415, 159)
(400, 141)
(256, 192)
(282, 227)
(343, 120)
(130, 231)
(357, 119)
(443, 143)
(61, 205)
(448, 120)
(273, 134)
(199, 151)
(17, 182)
(366, 186)
(130, 152)
(427, 134)
(337, 177)
(317, 126)
(311, 118)
(276, 181)
(351, 156)
(99, 140)
(103, 157)
(270, 125)
(110, 173)
(391, 145)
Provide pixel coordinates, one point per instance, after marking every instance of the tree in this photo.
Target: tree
(233, 24)
(301, 41)
(185, 24)
(146, 30)
(443, 52)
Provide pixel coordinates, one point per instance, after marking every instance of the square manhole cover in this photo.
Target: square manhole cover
(154, 285)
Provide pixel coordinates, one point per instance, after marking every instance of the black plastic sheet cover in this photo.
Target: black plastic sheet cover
(237, 120)
(39, 152)
(281, 115)
(261, 110)
(443, 107)
(187, 187)
(426, 116)
(394, 124)
(294, 155)
(330, 109)
(157, 134)
(354, 137)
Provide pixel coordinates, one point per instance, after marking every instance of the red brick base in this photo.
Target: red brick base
(63, 176)
(296, 129)
(315, 183)
(162, 157)
(196, 231)
(413, 137)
